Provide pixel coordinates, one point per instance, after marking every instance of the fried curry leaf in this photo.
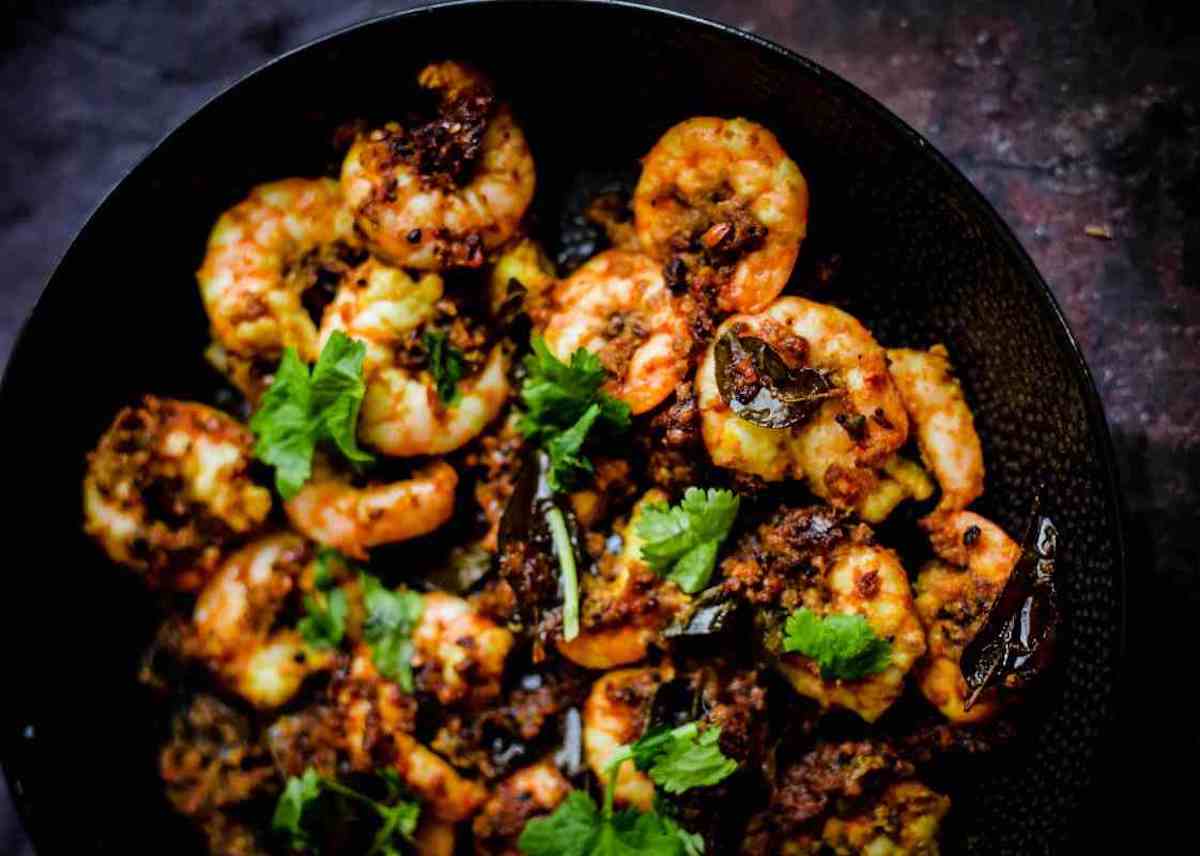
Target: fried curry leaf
(681, 541)
(761, 388)
(844, 646)
(391, 617)
(446, 364)
(1016, 640)
(300, 410)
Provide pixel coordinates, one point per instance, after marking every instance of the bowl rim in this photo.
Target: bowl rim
(1102, 761)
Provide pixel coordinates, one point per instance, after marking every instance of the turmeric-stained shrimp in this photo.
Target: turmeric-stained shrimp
(460, 654)
(167, 486)
(852, 433)
(403, 412)
(942, 421)
(530, 792)
(721, 199)
(954, 593)
(618, 307)
(868, 580)
(903, 821)
(625, 604)
(334, 512)
(263, 255)
(235, 617)
(615, 714)
(442, 193)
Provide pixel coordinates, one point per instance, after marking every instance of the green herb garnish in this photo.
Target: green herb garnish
(300, 410)
(676, 759)
(563, 404)
(398, 816)
(844, 646)
(681, 541)
(390, 620)
(446, 364)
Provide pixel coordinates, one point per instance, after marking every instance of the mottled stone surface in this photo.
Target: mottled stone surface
(1069, 117)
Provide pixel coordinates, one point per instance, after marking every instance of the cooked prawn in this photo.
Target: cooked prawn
(167, 486)
(234, 622)
(839, 450)
(439, 195)
(377, 721)
(615, 714)
(459, 654)
(625, 605)
(868, 580)
(332, 511)
(722, 197)
(528, 793)
(259, 264)
(402, 413)
(943, 422)
(434, 837)
(954, 593)
(618, 307)
(523, 272)
(903, 821)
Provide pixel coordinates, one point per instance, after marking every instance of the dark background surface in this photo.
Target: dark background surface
(1070, 117)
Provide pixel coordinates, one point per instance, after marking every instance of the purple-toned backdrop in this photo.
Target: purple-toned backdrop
(1080, 121)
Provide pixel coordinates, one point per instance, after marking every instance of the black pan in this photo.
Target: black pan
(923, 259)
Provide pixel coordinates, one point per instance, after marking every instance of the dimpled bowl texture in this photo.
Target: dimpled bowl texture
(919, 256)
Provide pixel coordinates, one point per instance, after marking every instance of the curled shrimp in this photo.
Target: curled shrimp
(954, 593)
(625, 605)
(403, 413)
(903, 821)
(618, 307)
(376, 721)
(263, 255)
(234, 622)
(615, 714)
(868, 580)
(459, 653)
(943, 422)
(332, 511)
(722, 198)
(839, 450)
(530, 792)
(438, 195)
(167, 486)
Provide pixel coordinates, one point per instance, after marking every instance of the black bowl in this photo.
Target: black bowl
(923, 259)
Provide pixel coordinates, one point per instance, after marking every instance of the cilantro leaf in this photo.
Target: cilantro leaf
(844, 646)
(446, 364)
(565, 460)
(563, 404)
(399, 816)
(681, 541)
(298, 794)
(325, 624)
(677, 759)
(578, 828)
(694, 761)
(568, 831)
(390, 620)
(337, 394)
(284, 438)
(298, 411)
